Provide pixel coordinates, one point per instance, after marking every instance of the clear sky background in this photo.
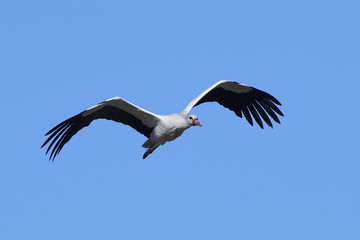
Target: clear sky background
(226, 180)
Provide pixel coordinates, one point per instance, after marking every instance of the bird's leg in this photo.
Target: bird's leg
(148, 152)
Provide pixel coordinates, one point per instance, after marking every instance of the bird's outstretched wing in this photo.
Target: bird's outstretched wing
(241, 99)
(116, 109)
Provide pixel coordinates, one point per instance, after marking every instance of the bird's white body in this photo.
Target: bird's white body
(168, 129)
(239, 98)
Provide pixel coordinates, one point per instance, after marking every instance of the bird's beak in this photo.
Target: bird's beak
(196, 123)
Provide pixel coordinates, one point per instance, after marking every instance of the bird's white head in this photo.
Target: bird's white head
(193, 121)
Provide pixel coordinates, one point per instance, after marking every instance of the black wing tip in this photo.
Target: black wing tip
(268, 103)
(55, 140)
(61, 134)
(51, 159)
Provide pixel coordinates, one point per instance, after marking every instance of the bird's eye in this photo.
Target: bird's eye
(191, 118)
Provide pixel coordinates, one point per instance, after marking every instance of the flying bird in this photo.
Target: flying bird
(243, 100)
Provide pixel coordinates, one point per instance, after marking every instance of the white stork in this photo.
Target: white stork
(159, 129)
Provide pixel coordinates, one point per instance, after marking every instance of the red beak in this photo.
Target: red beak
(196, 123)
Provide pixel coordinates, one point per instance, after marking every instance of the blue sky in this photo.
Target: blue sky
(226, 180)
